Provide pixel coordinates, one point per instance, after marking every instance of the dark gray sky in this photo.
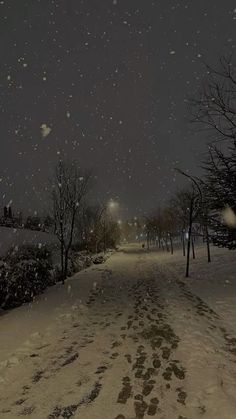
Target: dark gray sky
(107, 80)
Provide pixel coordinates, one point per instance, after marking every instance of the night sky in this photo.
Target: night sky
(104, 82)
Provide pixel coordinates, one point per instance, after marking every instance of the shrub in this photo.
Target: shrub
(24, 274)
(28, 252)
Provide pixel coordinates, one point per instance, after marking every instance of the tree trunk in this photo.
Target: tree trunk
(208, 244)
(62, 263)
(183, 242)
(104, 238)
(193, 248)
(66, 263)
(189, 237)
(171, 245)
(62, 252)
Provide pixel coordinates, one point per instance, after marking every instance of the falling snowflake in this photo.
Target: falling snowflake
(229, 217)
(45, 130)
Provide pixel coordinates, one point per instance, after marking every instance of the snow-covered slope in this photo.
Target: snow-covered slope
(16, 237)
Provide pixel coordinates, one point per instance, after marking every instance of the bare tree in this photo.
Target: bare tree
(70, 187)
(161, 227)
(193, 199)
(214, 107)
(180, 207)
(93, 226)
(170, 226)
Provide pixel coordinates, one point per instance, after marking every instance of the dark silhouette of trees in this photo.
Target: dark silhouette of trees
(215, 109)
(220, 196)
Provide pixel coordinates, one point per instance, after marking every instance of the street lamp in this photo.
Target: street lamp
(112, 205)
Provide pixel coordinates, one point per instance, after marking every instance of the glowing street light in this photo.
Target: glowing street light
(112, 204)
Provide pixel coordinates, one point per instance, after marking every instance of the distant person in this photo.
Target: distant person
(143, 245)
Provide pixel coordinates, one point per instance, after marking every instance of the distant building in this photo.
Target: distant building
(9, 220)
(5, 212)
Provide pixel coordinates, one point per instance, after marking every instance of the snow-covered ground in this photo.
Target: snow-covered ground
(129, 339)
(215, 282)
(18, 236)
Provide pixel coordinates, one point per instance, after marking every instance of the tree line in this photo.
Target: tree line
(207, 207)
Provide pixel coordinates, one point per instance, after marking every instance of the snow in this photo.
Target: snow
(90, 349)
(17, 236)
(18, 326)
(215, 282)
(45, 130)
(210, 350)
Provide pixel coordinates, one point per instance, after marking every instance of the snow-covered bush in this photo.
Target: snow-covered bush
(98, 259)
(27, 270)
(24, 274)
(28, 252)
(79, 261)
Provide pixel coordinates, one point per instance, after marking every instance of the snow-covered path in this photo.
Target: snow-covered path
(129, 339)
